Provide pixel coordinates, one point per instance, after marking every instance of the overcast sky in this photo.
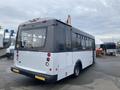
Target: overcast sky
(98, 17)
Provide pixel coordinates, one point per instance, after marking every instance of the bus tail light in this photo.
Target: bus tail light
(48, 59)
(49, 54)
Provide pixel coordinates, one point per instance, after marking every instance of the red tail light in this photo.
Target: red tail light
(49, 54)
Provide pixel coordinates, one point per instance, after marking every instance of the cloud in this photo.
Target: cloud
(98, 17)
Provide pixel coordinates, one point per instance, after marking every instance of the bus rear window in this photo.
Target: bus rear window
(32, 38)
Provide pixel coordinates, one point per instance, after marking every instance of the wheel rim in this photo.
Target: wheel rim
(77, 71)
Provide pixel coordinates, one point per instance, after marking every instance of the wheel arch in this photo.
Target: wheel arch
(78, 62)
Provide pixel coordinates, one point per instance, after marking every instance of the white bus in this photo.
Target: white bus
(110, 48)
(4, 41)
(50, 50)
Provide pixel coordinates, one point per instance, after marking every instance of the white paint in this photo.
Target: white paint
(109, 51)
(33, 61)
(64, 62)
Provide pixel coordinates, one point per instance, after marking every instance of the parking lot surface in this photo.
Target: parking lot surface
(103, 75)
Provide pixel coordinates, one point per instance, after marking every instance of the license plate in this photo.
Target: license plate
(40, 78)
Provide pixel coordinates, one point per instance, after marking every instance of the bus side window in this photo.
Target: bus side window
(74, 42)
(90, 44)
(87, 44)
(68, 39)
(83, 43)
(78, 42)
(60, 39)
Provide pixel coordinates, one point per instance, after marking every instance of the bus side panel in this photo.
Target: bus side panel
(86, 58)
(69, 63)
(63, 63)
(60, 63)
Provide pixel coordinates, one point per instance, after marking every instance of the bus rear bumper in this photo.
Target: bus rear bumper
(39, 76)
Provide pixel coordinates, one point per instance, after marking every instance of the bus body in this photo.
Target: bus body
(50, 50)
(4, 41)
(110, 48)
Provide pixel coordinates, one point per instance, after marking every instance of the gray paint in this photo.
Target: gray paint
(53, 26)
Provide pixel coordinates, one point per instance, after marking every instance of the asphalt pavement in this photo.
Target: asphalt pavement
(103, 75)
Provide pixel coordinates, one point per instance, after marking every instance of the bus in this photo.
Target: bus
(50, 50)
(4, 41)
(110, 48)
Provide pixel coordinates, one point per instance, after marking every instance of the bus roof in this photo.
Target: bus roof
(109, 43)
(38, 20)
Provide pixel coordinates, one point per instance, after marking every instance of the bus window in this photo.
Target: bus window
(78, 42)
(87, 43)
(83, 43)
(93, 44)
(74, 42)
(60, 39)
(33, 38)
(68, 39)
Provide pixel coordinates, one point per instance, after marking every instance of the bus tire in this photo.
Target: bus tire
(77, 70)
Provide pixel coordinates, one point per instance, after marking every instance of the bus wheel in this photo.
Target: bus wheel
(77, 70)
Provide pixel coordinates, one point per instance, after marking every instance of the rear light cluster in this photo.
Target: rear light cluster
(48, 56)
(48, 59)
